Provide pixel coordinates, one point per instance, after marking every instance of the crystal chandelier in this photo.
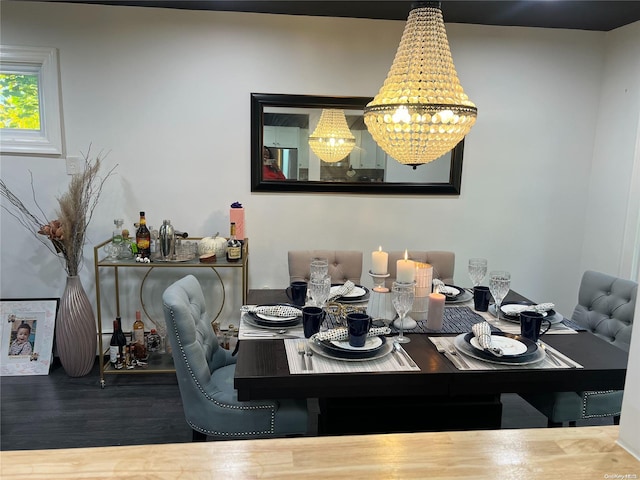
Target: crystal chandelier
(332, 140)
(421, 111)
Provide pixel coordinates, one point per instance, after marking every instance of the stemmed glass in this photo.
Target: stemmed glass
(402, 296)
(477, 270)
(319, 290)
(499, 284)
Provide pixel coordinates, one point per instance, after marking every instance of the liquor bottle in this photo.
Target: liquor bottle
(153, 341)
(118, 342)
(143, 238)
(138, 330)
(234, 247)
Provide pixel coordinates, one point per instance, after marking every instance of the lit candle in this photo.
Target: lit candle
(436, 311)
(424, 274)
(379, 261)
(405, 269)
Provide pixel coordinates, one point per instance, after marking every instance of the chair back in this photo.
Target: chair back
(605, 307)
(343, 264)
(196, 352)
(443, 263)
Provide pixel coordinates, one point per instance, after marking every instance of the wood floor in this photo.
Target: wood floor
(56, 411)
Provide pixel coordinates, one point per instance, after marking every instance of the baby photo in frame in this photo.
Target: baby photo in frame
(26, 340)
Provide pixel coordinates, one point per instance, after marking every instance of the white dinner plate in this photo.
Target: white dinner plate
(465, 296)
(383, 351)
(273, 318)
(554, 319)
(509, 346)
(371, 343)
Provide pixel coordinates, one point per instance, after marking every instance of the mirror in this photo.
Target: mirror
(283, 123)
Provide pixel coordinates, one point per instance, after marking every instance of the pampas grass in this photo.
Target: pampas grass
(65, 236)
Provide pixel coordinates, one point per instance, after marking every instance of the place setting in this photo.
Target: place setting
(358, 347)
(279, 320)
(483, 349)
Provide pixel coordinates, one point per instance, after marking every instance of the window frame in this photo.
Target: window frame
(47, 140)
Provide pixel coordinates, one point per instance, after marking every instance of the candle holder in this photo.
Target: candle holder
(378, 281)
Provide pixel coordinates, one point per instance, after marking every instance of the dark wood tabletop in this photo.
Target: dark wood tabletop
(262, 370)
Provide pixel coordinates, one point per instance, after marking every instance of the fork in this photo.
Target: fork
(301, 352)
(441, 349)
(309, 353)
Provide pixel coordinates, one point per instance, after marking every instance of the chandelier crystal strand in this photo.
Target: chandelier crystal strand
(421, 111)
(332, 140)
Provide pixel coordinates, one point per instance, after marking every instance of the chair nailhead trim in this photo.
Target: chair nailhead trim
(585, 400)
(221, 405)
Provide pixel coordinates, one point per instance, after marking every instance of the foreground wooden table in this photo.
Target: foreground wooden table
(566, 453)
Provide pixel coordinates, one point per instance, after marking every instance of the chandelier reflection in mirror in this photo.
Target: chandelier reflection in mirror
(421, 111)
(332, 140)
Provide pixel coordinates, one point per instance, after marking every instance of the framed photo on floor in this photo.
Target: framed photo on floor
(26, 336)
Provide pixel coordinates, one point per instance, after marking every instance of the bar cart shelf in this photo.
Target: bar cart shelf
(157, 362)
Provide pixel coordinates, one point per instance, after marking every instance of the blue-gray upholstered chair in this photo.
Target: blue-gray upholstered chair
(605, 307)
(205, 374)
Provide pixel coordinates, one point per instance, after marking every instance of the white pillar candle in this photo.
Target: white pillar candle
(405, 270)
(379, 262)
(436, 311)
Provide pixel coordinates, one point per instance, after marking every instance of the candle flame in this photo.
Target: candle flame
(380, 248)
(406, 255)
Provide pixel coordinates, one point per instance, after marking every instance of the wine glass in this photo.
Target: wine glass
(402, 296)
(499, 284)
(319, 267)
(477, 270)
(319, 290)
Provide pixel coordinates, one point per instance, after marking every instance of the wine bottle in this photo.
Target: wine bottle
(138, 330)
(234, 247)
(118, 342)
(143, 238)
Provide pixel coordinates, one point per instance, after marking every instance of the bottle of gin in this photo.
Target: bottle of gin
(234, 247)
(143, 238)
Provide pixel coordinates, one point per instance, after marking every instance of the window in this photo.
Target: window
(30, 121)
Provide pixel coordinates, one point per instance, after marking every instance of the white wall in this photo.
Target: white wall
(167, 93)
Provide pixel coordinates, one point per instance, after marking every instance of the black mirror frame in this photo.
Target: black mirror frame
(261, 100)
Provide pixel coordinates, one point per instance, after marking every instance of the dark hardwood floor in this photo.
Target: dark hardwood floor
(56, 411)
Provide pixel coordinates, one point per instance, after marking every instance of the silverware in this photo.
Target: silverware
(560, 362)
(309, 353)
(396, 351)
(302, 355)
(404, 354)
(442, 350)
(454, 352)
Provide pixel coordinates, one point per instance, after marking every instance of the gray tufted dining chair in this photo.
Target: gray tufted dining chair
(205, 374)
(343, 264)
(605, 308)
(443, 263)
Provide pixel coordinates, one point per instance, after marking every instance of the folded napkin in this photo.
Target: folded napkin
(540, 308)
(342, 291)
(283, 311)
(343, 333)
(482, 331)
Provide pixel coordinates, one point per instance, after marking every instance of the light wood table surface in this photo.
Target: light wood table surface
(560, 453)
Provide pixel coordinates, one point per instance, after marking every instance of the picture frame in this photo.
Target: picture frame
(26, 335)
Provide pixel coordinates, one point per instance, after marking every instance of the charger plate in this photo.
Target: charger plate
(252, 320)
(329, 350)
(466, 349)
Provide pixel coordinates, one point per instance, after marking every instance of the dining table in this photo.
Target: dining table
(435, 393)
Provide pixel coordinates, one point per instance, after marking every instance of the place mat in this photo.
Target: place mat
(475, 364)
(388, 363)
(455, 320)
(251, 332)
